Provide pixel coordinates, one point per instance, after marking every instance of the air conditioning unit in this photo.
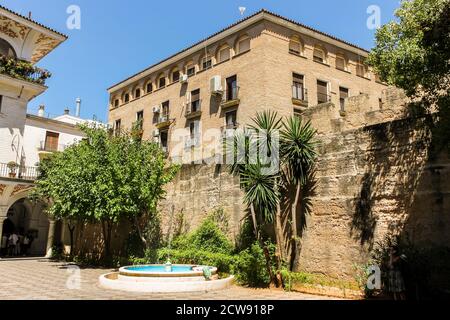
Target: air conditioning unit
(184, 78)
(156, 109)
(215, 85)
(156, 132)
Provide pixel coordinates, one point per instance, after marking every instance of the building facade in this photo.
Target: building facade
(25, 138)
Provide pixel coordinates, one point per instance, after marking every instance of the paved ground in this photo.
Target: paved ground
(43, 279)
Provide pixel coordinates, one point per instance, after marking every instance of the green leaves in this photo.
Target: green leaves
(105, 178)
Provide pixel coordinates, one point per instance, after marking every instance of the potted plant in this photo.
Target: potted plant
(12, 166)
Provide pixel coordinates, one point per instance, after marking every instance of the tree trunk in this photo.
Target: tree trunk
(71, 234)
(107, 226)
(273, 279)
(294, 228)
(141, 235)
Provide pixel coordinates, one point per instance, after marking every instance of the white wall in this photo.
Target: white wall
(35, 132)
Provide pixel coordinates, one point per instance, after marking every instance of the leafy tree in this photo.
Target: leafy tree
(413, 53)
(104, 179)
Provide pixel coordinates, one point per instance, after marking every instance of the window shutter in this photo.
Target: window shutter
(343, 92)
(322, 87)
(340, 63)
(244, 45)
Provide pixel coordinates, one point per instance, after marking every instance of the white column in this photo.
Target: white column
(50, 238)
(3, 216)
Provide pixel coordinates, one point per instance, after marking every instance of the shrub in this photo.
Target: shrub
(250, 267)
(208, 237)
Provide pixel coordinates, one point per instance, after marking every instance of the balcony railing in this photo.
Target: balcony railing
(323, 98)
(299, 95)
(51, 148)
(230, 97)
(163, 120)
(18, 172)
(193, 109)
(192, 141)
(229, 130)
(23, 70)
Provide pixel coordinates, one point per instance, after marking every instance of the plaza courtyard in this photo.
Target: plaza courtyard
(37, 279)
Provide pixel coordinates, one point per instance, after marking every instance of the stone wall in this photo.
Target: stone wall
(374, 176)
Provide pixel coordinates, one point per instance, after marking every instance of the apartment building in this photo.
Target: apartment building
(262, 62)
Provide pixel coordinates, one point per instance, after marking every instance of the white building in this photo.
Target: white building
(26, 138)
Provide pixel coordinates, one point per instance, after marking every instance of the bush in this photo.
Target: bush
(250, 267)
(208, 237)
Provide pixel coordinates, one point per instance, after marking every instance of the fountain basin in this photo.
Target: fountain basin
(158, 279)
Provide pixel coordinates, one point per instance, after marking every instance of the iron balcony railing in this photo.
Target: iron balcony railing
(164, 117)
(18, 172)
(193, 107)
(23, 70)
(323, 97)
(231, 94)
(51, 148)
(299, 92)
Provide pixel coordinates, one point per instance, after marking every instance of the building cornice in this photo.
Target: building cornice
(234, 28)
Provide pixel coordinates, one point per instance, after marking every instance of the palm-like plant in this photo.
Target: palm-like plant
(297, 151)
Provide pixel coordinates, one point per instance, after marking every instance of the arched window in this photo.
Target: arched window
(206, 62)
(149, 87)
(161, 81)
(362, 70)
(223, 54)
(137, 93)
(341, 62)
(295, 45)
(6, 49)
(319, 55)
(243, 44)
(190, 69)
(175, 75)
(126, 97)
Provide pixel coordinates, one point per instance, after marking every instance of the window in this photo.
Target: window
(206, 62)
(243, 45)
(162, 82)
(322, 92)
(6, 49)
(361, 70)
(380, 103)
(51, 141)
(230, 119)
(149, 87)
(116, 103)
(343, 94)
(1, 103)
(165, 110)
(224, 54)
(232, 88)
(175, 76)
(140, 119)
(298, 89)
(190, 70)
(295, 46)
(195, 100)
(163, 139)
(319, 55)
(341, 62)
(117, 126)
(127, 97)
(137, 93)
(194, 130)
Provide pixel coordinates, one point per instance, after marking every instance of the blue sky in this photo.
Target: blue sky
(119, 38)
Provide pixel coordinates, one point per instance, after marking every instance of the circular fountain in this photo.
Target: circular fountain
(158, 278)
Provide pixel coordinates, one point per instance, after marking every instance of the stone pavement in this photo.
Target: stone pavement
(44, 279)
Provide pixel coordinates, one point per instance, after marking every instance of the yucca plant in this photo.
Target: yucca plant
(298, 154)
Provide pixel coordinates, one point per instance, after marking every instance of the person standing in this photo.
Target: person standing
(396, 282)
(4, 245)
(12, 243)
(26, 245)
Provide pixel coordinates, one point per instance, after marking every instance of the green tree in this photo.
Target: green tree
(104, 179)
(413, 53)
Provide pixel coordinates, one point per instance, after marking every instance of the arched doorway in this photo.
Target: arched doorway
(25, 218)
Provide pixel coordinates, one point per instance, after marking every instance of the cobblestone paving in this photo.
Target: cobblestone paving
(43, 279)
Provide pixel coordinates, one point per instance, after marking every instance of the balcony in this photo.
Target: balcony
(192, 141)
(299, 95)
(193, 109)
(23, 70)
(229, 130)
(323, 98)
(14, 171)
(230, 97)
(163, 121)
